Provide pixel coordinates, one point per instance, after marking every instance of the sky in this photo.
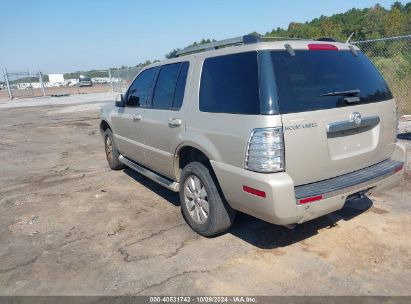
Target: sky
(58, 36)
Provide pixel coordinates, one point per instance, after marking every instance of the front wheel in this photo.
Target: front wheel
(112, 153)
(202, 205)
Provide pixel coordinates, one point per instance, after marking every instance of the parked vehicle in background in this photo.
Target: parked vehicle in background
(286, 131)
(85, 81)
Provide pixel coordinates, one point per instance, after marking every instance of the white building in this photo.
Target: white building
(56, 80)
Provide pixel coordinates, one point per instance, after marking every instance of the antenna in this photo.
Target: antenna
(349, 38)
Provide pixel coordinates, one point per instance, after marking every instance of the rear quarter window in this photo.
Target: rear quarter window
(229, 84)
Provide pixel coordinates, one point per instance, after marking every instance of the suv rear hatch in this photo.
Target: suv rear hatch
(338, 113)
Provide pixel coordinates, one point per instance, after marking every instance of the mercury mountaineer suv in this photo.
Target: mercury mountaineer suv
(286, 131)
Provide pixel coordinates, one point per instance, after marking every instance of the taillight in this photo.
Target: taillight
(265, 150)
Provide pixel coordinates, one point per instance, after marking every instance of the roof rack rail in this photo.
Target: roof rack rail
(246, 39)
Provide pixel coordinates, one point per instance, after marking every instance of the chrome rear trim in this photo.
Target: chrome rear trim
(340, 126)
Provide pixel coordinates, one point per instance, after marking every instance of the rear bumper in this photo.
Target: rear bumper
(282, 202)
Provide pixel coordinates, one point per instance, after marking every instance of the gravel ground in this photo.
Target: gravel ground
(71, 226)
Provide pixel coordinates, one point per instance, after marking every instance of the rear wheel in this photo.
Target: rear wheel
(112, 153)
(202, 205)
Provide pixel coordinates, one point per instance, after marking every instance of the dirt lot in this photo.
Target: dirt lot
(71, 226)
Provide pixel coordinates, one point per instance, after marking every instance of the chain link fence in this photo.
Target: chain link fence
(28, 84)
(22, 84)
(392, 56)
(121, 78)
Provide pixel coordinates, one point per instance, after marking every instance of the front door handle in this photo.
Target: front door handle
(175, 122)
(137, 117)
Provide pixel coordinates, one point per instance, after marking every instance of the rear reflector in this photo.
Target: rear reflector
(322, 47)
(254, 191)
(398, 169)
(311, 199)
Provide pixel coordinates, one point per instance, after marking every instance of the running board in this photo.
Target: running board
(163, 181)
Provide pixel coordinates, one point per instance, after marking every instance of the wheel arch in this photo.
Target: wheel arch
(191, 151)
(104, 125)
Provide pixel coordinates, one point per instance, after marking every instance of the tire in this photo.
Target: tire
(111, 150)
(207, 213)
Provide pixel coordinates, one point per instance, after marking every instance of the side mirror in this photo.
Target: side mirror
(120, 100)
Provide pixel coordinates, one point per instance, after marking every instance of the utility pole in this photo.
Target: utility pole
(41, 83)
(111, 80)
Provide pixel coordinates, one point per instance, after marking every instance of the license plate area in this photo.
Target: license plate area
(351, 143)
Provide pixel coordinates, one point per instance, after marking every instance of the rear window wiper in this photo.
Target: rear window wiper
(342, 93)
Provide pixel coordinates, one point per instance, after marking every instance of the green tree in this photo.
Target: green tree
(329, 28)
(373, 26)
(396, 22)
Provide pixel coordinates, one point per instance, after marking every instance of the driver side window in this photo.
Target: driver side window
(140, 89)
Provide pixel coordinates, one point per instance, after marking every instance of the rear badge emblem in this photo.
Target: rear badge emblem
(355, 117)
(301, 126)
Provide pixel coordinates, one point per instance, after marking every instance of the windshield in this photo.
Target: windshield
(85, 78)
(315, 80)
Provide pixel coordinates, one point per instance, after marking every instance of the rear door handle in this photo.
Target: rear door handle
(175, 122)
(137, 117)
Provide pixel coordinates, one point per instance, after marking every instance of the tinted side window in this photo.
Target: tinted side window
(165, 87)
(181, 85)
(229, 84)
(139, 90)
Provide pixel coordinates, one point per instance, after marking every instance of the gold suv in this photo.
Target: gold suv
(285, 131)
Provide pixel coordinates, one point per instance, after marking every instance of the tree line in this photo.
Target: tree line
(369, 23)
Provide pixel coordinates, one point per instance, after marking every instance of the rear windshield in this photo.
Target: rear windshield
(303, 78)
